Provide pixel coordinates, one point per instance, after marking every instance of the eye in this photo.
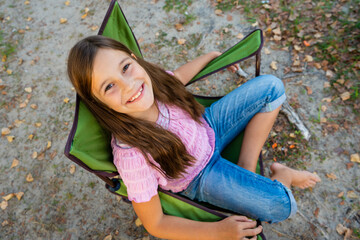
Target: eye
(109, 86)
(126, 67)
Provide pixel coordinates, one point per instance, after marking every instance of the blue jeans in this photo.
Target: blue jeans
(226, 185)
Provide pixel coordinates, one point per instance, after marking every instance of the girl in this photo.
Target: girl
(163, 138)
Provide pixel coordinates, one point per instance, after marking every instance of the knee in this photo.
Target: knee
(273, 85)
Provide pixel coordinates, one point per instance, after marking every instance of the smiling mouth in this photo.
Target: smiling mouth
(137, 95)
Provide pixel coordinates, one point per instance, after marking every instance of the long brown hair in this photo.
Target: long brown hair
(165, 147)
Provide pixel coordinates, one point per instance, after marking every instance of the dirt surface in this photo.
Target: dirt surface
(37, 104)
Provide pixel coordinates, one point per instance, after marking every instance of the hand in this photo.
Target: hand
(232, 68)
(238, 227)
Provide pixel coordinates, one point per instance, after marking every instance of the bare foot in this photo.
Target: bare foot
(301, 179)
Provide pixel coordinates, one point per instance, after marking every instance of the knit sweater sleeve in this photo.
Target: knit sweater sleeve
(138, 176)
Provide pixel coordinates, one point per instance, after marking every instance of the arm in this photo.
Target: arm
(189, 70)
(170, 227)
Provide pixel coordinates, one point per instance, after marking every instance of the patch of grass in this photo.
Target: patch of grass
(180, 6)
(6, 47)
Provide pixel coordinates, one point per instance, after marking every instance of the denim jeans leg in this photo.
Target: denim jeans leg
(230, 115)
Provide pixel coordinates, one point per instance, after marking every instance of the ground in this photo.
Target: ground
(45, 196)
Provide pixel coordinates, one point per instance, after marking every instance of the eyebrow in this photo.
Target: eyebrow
(120, 63)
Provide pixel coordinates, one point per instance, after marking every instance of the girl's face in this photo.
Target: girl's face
(122, 84)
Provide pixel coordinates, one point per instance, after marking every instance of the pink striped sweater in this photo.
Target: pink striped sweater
(142, 180)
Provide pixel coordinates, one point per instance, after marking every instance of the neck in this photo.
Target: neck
(151, 114)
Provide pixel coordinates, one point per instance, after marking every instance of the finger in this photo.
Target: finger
(248, 225)
(253, 232)
(241, 218)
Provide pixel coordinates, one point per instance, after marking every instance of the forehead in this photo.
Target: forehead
(105, 63)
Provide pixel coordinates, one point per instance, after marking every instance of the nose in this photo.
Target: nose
(126, 83)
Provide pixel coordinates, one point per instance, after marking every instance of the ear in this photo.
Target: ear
(134, 56)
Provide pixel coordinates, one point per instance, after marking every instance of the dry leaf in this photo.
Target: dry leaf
(218, 12)
(9, 71)
(341, 229)
(332, 176)
(86, 10)
(34, 106)
(3, 59)
(41, 156)
(273, 65)
(8, 197)
(19, 195)
(63, 20)
(297, 48)
(38, 124)
(31, 136)
(277, 31)
(14, 163)
(352, 195)
(341, 81)
(309, 90)
(323, 108)
(179, 27)
(240, 36)
(138, 222)
(345, 96)
(72, 168)
(308, 58)
(355, 158)
(329, 74)
(327, 84)
(340, 195)
(34, 155)
(292, 135)
(181, 41)
(27, 2)
(94, 28)
(28, 89)
(66, 100)
(326, 100)
(5, 131)
(4, 205)
(10, 138)
(255, 24)
(48, 145)
(84, 16)
(108, 237)
(29, 178)
(4, 223)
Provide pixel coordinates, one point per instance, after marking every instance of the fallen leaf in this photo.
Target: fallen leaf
(4, 223)
(108, 237)
(8, 197)
(240, 36)
(229, 17)
(5, 131)
(323, 108)
(273, 65)
(179, 27)
(267, 51)
(181, 41)
(72, 168)
(308, 58)
(292, 146)
(277, 31)
(292, 135)
(326, 100)
(340, 195)
(349, 165)
(323, 120)
(329, 74)
(63, 20)
(306, 43)
(19, 195)
(10, 138)
(297, 48)
(38, 124)
(66, 100)
(309, 90)
(34, 155)
(9, 71)
(41, 156)
(15, 162)
(48, 145)
(332, 176)
(34, 106)
(341, 229)
(94, 28)
(352, 195)
(31, 136)
(138, 222)
(28, 89)
(27, 2)
(316, 213)
(29, 178)
(274, 145)
(84, 16)
(3, 59)
(345, 96)
(86, 10)
(327, 84)
(255, 24)
(218, 12)
(4, 205)
(355, 158)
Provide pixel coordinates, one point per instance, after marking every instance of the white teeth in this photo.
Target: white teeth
(136, 96)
